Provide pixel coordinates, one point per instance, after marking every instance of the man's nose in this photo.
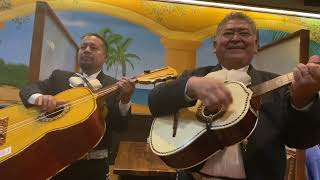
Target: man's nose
(87, 49)
(236, 37)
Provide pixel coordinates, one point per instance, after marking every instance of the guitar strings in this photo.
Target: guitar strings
(266, 87)
(26, 122)
(73, 103)
(15, 135)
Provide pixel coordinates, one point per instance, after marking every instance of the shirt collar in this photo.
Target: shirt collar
(243, 69)
(92, 76)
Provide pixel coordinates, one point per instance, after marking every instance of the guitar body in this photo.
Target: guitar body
(194, 142)
(34, 148)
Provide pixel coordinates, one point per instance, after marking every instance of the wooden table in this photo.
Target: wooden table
(136, 159)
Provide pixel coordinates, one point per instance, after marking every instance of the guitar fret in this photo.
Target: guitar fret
(148, 77)
(272, 84)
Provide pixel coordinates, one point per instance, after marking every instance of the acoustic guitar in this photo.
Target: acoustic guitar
(189, 137)
(36, 145)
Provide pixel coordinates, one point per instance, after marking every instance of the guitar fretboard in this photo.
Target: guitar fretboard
(272, 84)
(148, 77)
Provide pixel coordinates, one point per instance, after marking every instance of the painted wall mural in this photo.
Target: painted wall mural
(148, 34)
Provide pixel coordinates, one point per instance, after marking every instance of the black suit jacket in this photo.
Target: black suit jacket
(59, 81)
(279, 124)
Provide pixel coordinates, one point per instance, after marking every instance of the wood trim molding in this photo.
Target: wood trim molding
(304, 43)
(37, 39)
(55, 18)
(304, 46)
(43, 10)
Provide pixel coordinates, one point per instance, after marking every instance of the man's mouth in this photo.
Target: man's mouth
(236, 47)
(86, 58)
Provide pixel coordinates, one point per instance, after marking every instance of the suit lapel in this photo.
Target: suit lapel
(105, 80)
(216, 68)
(62, 81)
(256, 77)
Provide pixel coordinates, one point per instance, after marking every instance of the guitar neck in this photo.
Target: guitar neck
(112, 89)
(272, 84)
(148, 77)
(106, 91)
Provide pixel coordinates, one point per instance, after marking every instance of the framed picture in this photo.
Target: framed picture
(52, 45)
(282, 55)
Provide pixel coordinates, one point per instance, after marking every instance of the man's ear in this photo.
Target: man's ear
(214, 44)
(256, 46)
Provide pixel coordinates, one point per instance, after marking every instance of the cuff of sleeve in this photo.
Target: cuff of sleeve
(305, 108)
(124, 108)
(33, 97)
(186, 97)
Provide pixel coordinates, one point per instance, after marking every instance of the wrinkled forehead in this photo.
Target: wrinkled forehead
(236, 25)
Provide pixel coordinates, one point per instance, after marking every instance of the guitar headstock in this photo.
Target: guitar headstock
(156, 75)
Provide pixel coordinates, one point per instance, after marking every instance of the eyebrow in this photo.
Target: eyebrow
(238, 29)
(88, 43)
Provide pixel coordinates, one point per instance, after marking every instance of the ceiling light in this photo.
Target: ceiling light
(246, 8)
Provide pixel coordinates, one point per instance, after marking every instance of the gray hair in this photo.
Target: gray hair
(237, 16)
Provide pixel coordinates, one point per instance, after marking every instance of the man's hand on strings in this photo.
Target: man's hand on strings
(126, 90)
(306, 82)
(48, 103)
(211, 92)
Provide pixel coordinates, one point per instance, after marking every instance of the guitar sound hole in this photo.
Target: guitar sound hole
(59, 112)
(206, 112)
(56, 112)
(206, 116)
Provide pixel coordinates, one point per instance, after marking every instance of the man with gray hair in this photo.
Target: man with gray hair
(288, 116)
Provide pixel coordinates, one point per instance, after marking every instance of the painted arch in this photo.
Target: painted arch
(173, 21)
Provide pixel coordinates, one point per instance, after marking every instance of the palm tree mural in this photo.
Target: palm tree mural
(118, 54)
(314, 48)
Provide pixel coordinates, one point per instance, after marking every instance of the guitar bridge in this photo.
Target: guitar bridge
(3, 130)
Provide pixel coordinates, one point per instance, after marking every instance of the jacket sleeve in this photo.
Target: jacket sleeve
(302, 127)
(43, 87)
(115, 120)
(167, 98)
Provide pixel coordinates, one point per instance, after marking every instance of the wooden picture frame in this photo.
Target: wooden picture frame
(282, 55)
(52, 45)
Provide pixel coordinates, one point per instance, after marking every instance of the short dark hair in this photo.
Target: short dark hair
(104, 42)
(237, 16)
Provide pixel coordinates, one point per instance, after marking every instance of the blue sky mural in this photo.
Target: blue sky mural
(145, 44)
(79, 23)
